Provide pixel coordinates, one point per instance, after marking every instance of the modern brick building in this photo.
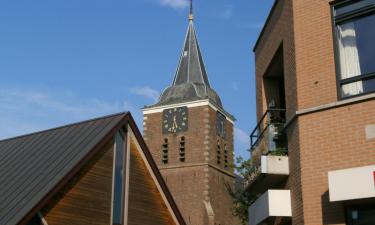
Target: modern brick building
(191, 137)
(314, 146)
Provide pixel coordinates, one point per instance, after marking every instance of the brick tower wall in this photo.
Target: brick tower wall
(199, 184)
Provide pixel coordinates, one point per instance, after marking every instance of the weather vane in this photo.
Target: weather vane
(191, 17)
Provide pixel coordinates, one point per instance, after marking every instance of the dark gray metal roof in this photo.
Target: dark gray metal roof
(32, 165)
(191, 66)
(191, 81)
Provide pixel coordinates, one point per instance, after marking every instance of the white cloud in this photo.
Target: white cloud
(235, 86)
(228, 12)
(11, 126)
(175, 4)
(146, 92)
(13, 99)
(25, 111)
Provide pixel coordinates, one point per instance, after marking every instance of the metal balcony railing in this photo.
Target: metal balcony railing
(267, 138)
(270, 128)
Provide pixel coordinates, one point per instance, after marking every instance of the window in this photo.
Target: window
(218, 152)
(355, 35)
(119, 181)
(361, 215)
(182, 149)
(37, 220)
(165, 151)
(226, 156)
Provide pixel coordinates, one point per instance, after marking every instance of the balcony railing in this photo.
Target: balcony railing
(270, 129)
(267, 138)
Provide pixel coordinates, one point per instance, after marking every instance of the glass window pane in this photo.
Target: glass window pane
(349, 55)
(351, 89)
(365, 30)
(369, 85)
(352, 7)
(361, 216)
(356, 47)
(36, 220)
(118, 186)
(366, 217)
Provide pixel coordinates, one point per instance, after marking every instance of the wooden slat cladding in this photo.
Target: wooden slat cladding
(86, 199)
(146, 205)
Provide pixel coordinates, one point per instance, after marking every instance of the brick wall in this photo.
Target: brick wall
(279, 33)
(315, 68)
(198, 184)
(332, 140)
(320, 141)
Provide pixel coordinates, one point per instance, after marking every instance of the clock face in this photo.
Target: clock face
(175, 120)
(220, 124)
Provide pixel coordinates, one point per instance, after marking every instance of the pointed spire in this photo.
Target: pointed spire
(191, 15)
(190, 82)
(191, 66)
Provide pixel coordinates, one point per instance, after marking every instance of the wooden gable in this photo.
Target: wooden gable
(146, 204)
(86, 198)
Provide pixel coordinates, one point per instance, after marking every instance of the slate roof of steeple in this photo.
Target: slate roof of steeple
(191, 66)
(191, 81)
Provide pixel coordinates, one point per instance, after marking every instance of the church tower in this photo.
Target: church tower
(190, 136)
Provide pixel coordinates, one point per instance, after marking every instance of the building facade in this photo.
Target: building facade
(313, 149)
(191, 137)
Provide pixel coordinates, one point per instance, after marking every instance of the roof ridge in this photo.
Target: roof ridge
(65, 126)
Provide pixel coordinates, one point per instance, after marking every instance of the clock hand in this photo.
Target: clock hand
(174, 126)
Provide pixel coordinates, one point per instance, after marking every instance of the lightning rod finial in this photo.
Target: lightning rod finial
(191, 15)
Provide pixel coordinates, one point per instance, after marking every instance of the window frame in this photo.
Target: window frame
(337, 20)
(120, 136)
(44, 221)
(350, 208)
(40, 217)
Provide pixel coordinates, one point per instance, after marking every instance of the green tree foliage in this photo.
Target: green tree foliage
(241, 198)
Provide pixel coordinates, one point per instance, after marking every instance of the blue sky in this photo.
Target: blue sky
(62, 61)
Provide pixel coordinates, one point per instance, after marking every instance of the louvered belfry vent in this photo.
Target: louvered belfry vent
(165, 149)
(182, 149)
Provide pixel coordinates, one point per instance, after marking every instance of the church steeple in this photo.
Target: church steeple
(190, 82)
(190, 135)
(191, 66)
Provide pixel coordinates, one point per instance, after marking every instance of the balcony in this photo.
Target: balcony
(271, 205)
(269, 153)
